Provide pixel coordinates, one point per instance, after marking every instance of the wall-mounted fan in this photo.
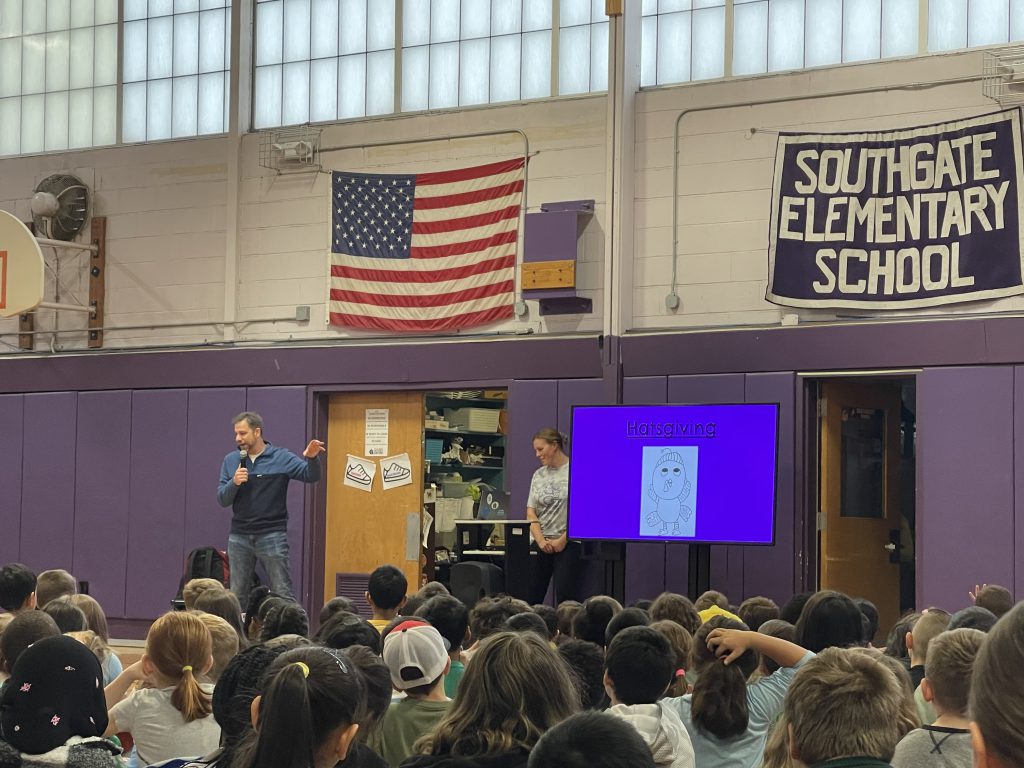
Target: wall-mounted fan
(60, 207)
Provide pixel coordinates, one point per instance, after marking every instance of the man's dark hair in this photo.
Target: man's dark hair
(387, 586)
(627, 617)
(449, 616)
(592, 740)
(344, 630)
(586, 660)
(333, 606)
(17, 583)
(69, 617)
(528, 622)
(640, 664)
(254, 420)
(25, 629)
(550, 616)
(490, 614)
(973, 617)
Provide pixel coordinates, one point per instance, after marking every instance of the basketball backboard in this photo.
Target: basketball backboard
(21, 267)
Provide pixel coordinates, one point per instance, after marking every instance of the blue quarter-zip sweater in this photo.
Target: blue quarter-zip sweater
(259, 505)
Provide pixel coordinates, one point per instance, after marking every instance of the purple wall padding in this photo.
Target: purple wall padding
(726, 562)
(532, 406)
(209, 438)
(966, 472)
(769, 571)
(284, 424)
(12, 414)
(48, 481)
(102, 501)
(1018, 484)
(645, 561)
(156, 549)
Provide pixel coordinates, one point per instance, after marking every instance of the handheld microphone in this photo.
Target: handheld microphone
(242, 456)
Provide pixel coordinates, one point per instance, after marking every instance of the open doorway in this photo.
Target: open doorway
(865, 433)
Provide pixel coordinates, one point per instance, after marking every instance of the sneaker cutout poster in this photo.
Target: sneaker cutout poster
(359, 473)
(396, 471)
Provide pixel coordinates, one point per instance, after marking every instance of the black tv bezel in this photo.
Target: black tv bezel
(674, 540)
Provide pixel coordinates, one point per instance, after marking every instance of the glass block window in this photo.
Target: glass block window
(678, 45)
(58, 75)
(682, 40)
(175, 72)
(582, 46)
(322, 60)
(462, 52)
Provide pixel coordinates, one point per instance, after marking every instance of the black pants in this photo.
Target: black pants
(567, 568)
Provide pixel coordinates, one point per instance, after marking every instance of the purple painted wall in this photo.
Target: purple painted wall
(965, 518)
(48, 480)
(12, 420)
(102, 506)
(138, 491)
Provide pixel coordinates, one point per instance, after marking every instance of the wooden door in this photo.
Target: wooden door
(367, 529)
(860, 515)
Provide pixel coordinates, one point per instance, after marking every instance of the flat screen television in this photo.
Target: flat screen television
(695, 473)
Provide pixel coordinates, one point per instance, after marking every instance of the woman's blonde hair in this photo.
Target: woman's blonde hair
(515, 689)
(552, 436)
(180, 646)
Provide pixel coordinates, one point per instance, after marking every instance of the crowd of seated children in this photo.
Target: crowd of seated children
(723, 695)
(591, 740)
(17, 589)
(223, 603)
(946, 742)
(385, 592)
(171, 717)
(728, 720)
(417, 659)
(515, 689)
(639, 668)
(52, 710)
(843, 711)
(996, 703)
(450, 617)
(54, 583)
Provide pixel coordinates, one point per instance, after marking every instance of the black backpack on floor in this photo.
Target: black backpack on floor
(204, 563)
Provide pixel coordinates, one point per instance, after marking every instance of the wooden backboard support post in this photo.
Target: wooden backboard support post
(27, 320)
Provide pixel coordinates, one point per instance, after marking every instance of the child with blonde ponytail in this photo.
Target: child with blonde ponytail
(172, 717)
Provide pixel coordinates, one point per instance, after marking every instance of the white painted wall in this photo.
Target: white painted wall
(725, 179)
(166, 209)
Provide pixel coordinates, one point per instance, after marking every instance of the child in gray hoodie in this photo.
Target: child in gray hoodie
(639, 667)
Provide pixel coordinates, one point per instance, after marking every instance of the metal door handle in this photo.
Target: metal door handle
(890, 547)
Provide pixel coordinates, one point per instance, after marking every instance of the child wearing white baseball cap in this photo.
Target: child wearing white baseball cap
(417, 657)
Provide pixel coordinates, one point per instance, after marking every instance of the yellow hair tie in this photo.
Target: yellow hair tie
(302, 665)
(187, 668)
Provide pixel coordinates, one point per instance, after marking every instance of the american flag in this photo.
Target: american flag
(425, 252)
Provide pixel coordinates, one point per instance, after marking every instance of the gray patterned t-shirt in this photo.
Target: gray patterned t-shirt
(549, 497)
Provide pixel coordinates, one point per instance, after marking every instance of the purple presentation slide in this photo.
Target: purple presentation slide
(695, 473)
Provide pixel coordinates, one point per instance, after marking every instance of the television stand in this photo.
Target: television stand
(699, 570)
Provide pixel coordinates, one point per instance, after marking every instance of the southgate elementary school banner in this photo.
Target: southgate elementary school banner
(909, 218)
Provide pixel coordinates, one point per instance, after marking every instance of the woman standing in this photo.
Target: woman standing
(547, 510)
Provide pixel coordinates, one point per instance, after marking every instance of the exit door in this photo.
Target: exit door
(860, 492)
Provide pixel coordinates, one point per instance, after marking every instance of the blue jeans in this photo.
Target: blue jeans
(271, 549)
